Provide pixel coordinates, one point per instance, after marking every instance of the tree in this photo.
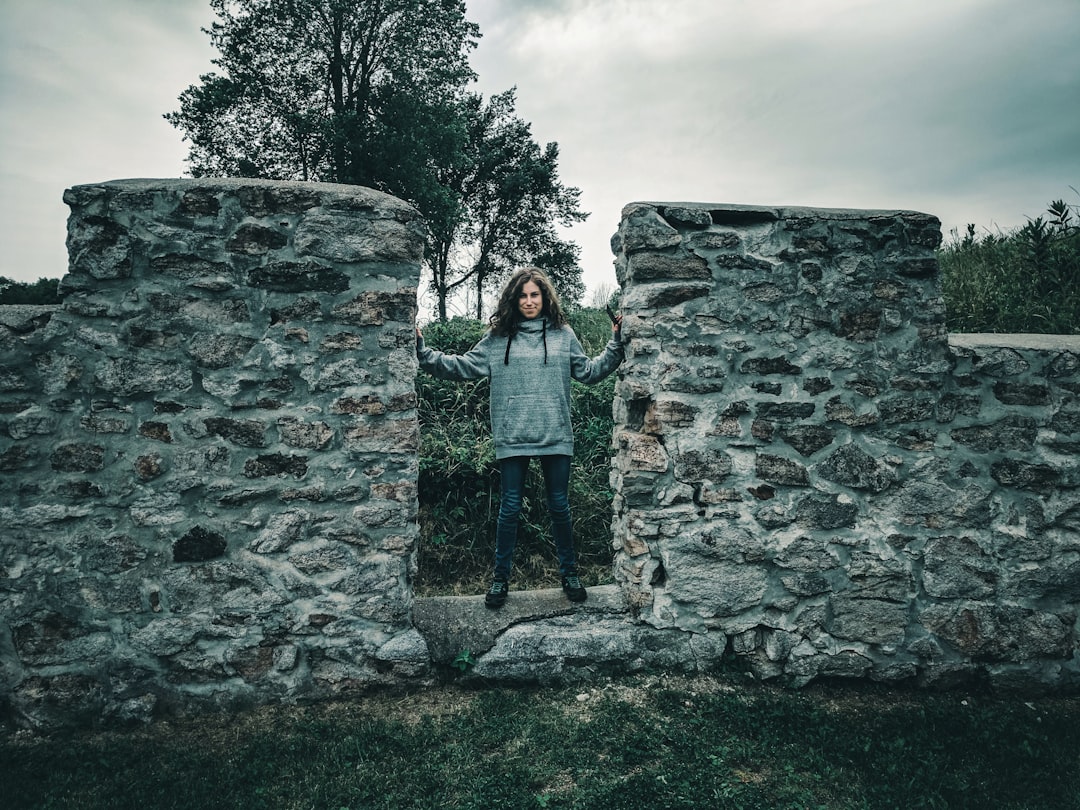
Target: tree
(512, 199)
(346, 91)
(373, 93)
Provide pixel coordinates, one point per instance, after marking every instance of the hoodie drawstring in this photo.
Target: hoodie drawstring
(543, 337)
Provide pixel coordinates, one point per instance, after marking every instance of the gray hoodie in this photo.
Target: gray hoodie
(530, 385)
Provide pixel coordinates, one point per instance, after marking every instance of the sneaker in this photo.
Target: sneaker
(496, 595)
(571, 585)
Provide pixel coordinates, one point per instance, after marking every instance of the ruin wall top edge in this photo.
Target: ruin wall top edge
(782, 211)
(231, 184)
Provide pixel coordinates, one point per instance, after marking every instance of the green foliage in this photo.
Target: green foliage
(41, 292)
(464, 660)
(631, 743)
(459, 479)
(511, 201)
(331, 90)
(1027, 280)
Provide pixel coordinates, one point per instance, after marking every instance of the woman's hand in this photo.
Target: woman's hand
(419, 334)
(616, 326)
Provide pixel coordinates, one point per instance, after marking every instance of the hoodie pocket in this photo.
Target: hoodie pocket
(525, 421)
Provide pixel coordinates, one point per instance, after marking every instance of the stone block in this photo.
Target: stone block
(781, 471)
(990, 632)
(872, 621)
(342, 236)
(853, 467)
(957, 567)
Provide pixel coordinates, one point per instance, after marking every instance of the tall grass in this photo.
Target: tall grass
(637, 742)
(1026, 280)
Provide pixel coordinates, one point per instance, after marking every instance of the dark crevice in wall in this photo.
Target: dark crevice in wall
(737, 219)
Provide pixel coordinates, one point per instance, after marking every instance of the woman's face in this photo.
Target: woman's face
(530, 301)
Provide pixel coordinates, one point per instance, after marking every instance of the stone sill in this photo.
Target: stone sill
(987, 340)
(451, 624)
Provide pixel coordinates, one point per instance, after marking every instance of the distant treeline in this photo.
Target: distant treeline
(42, 291)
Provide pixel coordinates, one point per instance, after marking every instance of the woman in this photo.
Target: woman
(529, 354)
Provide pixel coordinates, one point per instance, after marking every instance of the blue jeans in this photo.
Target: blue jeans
(556, 484)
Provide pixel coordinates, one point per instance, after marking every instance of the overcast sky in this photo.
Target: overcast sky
(966, 109)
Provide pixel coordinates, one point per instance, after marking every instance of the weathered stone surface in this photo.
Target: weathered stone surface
(296, 433)
(153, 432)
(33, 421)
(341, 236)
(769, 365)
(779, 470)
(873, 621)
(392, 436)
(713, 589)
(255, 239)
(702, 465)
(808, 439)
(826, 512)
(158, 431)
(660, 294)
(375, 308)
(218, 351)
(956, 567)
(149, 466)
(999, 632)
(854, 467)
(293, 277)
(1025, 475)
(1011, 433)
(99, 247)
(242, 432)
(272, 464)
(936, 505)
(211, 448)
(1022, 394)
(125, 376)
(78, 458)
(661, 267)
(643, 228)
(923, 484)
(785, 411)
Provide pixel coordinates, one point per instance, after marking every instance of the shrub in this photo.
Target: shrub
(1027, 280)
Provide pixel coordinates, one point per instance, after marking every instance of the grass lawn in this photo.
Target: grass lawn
(648, 741)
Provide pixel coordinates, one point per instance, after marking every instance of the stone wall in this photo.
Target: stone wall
(208, 462)
(805, 464)
(208, 456)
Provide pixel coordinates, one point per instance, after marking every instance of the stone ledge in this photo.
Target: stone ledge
(22, 318)
(540, 637)
(450, 624)
(993, 340)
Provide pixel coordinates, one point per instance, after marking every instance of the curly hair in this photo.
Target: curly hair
(504, 320)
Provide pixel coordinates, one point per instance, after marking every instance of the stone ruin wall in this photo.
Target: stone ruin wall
(806, 463)
(208, 457)
(208, 462)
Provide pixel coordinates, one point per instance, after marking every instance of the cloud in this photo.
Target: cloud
(968, 109)
(83, 87)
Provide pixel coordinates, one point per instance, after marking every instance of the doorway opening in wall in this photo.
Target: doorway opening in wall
(459, 479)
